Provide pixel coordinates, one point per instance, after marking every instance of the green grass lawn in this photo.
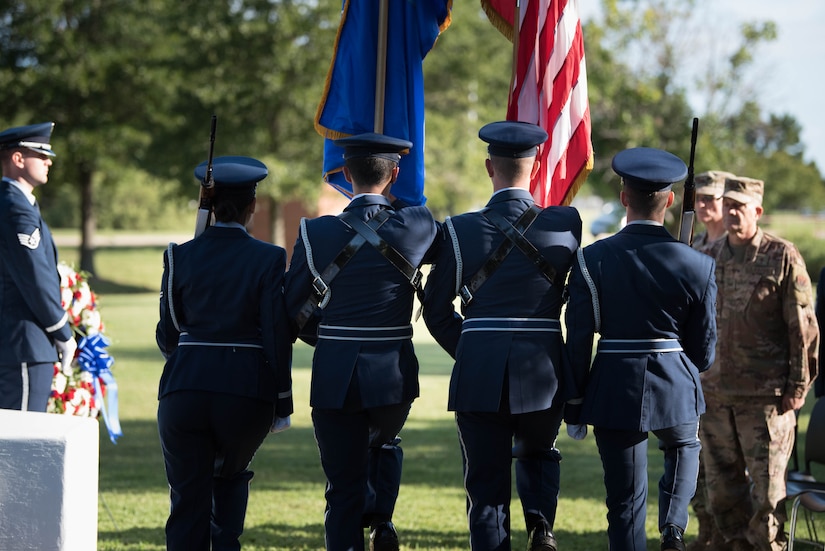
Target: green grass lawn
(287, 504)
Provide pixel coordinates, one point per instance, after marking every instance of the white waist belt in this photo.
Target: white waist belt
(349, 333)
(547, 325)
(186, 340)
(638, 346)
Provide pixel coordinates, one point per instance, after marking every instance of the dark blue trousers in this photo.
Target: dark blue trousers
(624, 459)
(489, 442)
(362, 463)
(35, 380)
(208, 440)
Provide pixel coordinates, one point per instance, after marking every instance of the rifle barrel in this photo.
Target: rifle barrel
(689, 199)
(203, 218)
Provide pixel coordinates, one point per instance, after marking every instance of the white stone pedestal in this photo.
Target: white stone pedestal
(48, 482)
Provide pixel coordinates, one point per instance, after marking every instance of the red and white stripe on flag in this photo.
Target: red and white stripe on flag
(549, 89)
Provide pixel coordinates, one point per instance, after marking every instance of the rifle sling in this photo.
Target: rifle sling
(367, 231)
(524, 245)
(515, 237)
(320, 285)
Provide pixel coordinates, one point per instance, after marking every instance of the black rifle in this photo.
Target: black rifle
(689, 200)
(204, 217)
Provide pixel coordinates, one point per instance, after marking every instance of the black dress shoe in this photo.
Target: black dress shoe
(541, 538)
(383, 537)
(673, 538)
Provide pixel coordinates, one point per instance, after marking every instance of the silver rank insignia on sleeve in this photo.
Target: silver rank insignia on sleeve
(31, 241)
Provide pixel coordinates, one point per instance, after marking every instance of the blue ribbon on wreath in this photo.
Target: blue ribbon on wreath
(94, 358)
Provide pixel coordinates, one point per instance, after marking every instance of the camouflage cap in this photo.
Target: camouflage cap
(744, 190)
(712, 182)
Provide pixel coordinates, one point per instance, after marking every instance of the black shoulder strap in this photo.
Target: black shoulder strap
(523, 244)
(320, 285)
(367, 231)
(515, 237)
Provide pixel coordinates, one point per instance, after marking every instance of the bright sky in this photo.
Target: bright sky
(790, 70)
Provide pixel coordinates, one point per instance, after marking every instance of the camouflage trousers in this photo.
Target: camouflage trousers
(746, 445)
(708, 536)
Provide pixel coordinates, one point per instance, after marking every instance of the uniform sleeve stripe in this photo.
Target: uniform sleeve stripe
(59, 325)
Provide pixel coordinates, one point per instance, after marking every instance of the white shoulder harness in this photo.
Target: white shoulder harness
(311, 264)
(459, 265)
(170, 287)
(594, 294)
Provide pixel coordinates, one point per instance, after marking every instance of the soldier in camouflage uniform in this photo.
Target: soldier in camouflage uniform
(709, 188)
(766, 359)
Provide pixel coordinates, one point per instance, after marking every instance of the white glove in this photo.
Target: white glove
(577, 432)
(66, 351)
(280, 424)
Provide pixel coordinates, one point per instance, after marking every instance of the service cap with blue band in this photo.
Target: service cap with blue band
(514, 139)
(234, 173)
(34, 136)
(647, 169)
(371, 144)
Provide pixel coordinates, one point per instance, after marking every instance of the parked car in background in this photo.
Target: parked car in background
(611, 220)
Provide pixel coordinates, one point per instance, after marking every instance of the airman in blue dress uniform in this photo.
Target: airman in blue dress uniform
(34, 328)
(507, 345)
(350, 285)
(225, 336)
(653, 300)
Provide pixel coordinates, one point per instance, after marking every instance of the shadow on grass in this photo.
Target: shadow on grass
(121, 269)
(144, 539)
(311, 536)
(127, 355)
(108, 287)
(288, 463)
(290, 459)
(278, 536)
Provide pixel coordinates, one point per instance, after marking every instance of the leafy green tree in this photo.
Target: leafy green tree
(88, 65)
(134, 84)
(467, 75)
(260, 66)
(641, 57)
(132, 87)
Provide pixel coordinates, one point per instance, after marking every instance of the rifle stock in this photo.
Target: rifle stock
(689, 200)
(204, 217)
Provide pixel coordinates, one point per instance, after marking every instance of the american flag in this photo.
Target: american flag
(549, 88)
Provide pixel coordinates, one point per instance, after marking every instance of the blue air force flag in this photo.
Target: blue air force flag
(348, 103)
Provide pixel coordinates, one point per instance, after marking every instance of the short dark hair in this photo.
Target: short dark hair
(646, 203)
(512, 168)
(370, 171)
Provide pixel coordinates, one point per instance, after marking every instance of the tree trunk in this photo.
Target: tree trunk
(88, 224)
